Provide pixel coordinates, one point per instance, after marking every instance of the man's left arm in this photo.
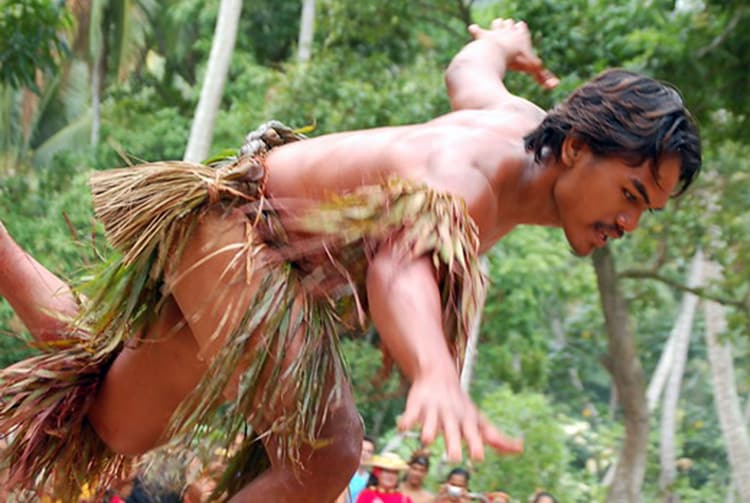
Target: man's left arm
(474, 78)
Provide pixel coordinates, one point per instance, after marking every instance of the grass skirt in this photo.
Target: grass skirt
(148, 213)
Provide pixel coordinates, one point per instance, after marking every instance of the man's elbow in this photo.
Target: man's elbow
(452, 78)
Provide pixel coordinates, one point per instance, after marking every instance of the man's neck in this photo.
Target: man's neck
(412, 486)
(525, 192)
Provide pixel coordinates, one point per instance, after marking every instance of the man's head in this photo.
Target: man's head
(544, 497)
(498, 497)
(458, 477)
(419, 465)
(368, 449)
(386, 468)
(625, 143)
(456, 484)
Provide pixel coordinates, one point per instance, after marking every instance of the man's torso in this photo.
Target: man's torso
(467, 153)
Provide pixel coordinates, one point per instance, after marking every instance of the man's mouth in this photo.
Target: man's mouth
(604, 232)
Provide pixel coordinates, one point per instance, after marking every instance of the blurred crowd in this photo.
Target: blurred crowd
(388, 478)
(191, 477)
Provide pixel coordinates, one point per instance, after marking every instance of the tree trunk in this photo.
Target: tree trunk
(733, 427)
(661, 373)
(96, 100)
(222, 46)
(306, 30)
(470, 355)
(623, 363)
(681, 336)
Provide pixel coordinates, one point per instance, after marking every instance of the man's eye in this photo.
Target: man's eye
(629, 195)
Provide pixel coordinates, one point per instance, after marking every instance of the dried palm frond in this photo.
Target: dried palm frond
(148, 213)
(42, 409)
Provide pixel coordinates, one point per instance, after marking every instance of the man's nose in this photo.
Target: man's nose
(628, 221)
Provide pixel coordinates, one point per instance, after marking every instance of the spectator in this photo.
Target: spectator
(498, 497)
(362, 475)
(413, 486)
(383, 484)
(456, 487)
(543, 497)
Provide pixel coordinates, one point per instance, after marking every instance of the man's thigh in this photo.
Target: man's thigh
(146, 383)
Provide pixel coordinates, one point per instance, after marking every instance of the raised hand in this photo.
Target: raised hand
(516, 40)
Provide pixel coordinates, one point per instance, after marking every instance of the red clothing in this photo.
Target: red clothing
(371, 495)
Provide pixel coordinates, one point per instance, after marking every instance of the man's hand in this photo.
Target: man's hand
(437, 402)
(515, 38)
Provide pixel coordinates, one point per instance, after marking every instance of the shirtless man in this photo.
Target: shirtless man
(620, 145)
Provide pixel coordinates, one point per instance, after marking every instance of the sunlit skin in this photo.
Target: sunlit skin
(475, 153)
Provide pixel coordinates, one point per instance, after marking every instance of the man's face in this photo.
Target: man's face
(458, 480)
(367, 451)
(416, 474)
(601, 198)
(387, 479)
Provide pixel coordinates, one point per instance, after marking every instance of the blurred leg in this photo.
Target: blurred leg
(40, 298)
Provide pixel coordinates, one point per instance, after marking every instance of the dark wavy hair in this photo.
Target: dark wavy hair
(623, 114)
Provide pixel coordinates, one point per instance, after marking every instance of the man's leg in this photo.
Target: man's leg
(212, 288)
(145, 383)
(325, 471)
(41, 299)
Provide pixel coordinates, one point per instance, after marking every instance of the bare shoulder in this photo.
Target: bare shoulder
(512, 115)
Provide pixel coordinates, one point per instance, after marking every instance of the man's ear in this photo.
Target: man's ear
(570, 150)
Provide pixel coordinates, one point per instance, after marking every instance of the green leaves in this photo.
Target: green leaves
(32, 39)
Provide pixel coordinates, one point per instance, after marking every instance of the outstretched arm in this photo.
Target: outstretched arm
(40, 298)
(474, 77)
(405, 306)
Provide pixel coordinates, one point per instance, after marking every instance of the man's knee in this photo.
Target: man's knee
(342, 456)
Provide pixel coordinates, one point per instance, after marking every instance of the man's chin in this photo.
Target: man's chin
(580, 249)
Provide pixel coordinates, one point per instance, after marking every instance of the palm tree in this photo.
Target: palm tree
(214, 79)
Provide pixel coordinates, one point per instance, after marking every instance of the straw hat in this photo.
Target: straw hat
(388, 461)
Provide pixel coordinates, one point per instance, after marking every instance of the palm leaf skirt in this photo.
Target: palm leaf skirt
(149, 212)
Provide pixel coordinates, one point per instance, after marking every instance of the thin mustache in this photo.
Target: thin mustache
(616, 229)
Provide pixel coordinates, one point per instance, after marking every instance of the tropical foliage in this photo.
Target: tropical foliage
(542, 363)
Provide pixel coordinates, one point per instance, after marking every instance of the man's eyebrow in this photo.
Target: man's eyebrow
(642, 191)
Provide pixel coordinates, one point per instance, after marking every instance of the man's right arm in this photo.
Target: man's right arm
(406, 309)
(474, 77)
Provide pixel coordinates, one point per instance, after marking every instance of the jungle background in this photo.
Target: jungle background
(626, 373)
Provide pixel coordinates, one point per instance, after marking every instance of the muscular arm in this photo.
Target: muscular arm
(474, 77)
(405, 307)
(40, 298)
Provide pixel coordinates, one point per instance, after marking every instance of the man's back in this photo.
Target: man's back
(466, 153)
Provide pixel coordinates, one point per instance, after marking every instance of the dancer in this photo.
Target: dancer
(241, 300)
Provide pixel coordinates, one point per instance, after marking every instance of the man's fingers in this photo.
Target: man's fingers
(533, 65)
(409, 417)
(498, 441)
(474, 30)
(474, 443)
(452, 436)
(547, 79)
(430, 427)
